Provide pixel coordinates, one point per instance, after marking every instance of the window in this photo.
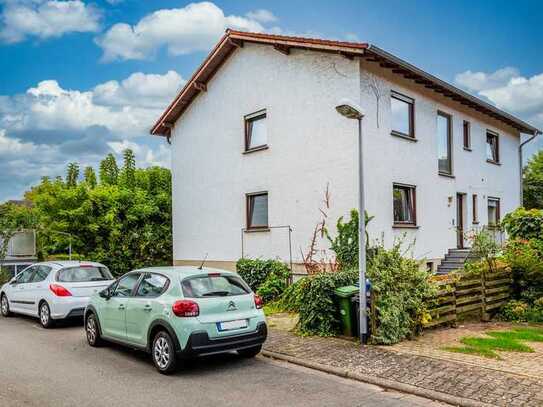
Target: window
(126, 285)
(467, 135)
(404, 198)
(256, 132)
(257, 210)
(493, 212)
(26, 275)
(41, 274)
(492, 147)
(152, 285)
(474, 209)
(402, 115)
(214, 286)
(444, 143)
(83, 273)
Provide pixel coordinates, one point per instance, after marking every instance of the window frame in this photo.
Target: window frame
(449, 144)
(474, 209)
(140, 281)
(247, 119)
(412, 208)
(115, 286)
(466, 135)
(411, 103)
(498, 212)
(248, 226)
(496, 136)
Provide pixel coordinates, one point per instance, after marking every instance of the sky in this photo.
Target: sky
(81, 79)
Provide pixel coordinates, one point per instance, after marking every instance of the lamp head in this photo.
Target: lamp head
(349, 109)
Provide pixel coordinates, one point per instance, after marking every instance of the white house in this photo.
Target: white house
(256, 141)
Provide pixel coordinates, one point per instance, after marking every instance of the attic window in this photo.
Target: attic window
(256, 131)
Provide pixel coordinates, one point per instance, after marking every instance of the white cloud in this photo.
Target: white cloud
(509, 90)
(262, 15)
(144, 154)
(195, 27)
(46, 19)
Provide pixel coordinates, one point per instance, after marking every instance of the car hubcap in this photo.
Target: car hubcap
(4, 305)
(44, 314)
(162, 353)
(91, 330)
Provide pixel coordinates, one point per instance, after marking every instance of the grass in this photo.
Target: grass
(508, 341)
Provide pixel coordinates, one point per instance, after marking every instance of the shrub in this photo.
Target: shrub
(400, 287)
(268, 278)
(524, 224)
(521, 311)
(525, 257)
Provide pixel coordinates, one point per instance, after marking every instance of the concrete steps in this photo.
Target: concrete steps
(455, 260)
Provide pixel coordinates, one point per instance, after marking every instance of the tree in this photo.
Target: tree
(533, 182)
(109, 171)
(72, 175)
(90, 177)
(128, 177)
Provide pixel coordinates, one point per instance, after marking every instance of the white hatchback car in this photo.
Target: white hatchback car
(54, 290)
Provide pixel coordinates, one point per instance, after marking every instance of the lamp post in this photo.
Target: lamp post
(350, 110)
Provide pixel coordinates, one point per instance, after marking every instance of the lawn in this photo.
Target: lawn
(508, 341)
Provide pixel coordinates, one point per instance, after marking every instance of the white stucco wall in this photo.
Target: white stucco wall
(311, 146)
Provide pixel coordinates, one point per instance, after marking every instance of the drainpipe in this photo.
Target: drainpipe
(536, 133)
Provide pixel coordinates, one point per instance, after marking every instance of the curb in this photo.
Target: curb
(384, 383)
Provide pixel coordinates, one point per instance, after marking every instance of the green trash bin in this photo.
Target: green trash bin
(344, 295)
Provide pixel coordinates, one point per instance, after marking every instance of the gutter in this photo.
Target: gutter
(521, 167)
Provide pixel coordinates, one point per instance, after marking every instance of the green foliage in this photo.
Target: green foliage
(400, 287)
(524, 223)
(484, 246)
(533, 182)
(292, 297)
(128, 174)
(72, 175)
(124, 228)
(90, 177)
(345, 244)
(268, 278)
(525, 258)
(521, 311)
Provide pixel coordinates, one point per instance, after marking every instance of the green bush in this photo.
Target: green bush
(521, 311)
(268, 278)
(400, 287)
(524, 224)
(525, 258)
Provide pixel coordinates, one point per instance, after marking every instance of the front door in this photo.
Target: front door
(113, 312)
(460, 221)
(19, 294)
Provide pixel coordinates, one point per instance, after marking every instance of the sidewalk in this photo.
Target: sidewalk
(448, 381)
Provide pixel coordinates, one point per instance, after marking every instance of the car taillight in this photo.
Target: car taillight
(59, 290)
(258, 302)
(185, 308)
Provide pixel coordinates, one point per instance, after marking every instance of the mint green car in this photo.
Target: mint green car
(176, 313)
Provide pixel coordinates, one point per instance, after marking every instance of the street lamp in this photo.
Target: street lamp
(351, 110)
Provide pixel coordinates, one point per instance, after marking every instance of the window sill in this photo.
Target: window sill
(445, 174)
(493, 162)
(404, 136)
(404, 226)
(467, 149)
(254, 149)
(256, 230)
(475, 223)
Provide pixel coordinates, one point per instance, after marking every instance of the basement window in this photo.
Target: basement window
(256, 131)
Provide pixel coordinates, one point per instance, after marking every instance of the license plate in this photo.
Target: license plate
(229, 325)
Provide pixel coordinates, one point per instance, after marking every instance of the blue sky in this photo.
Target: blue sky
(81, 79)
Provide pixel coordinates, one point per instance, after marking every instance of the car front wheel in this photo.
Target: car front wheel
(4, 306)
(164, 353)
(45, 316)
(93, 333)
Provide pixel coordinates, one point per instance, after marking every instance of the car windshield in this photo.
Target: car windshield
(214, 286)
(81, 274)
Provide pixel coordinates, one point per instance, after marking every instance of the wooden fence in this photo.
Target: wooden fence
(468, 293)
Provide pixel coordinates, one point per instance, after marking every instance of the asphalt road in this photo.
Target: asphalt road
(56, 367)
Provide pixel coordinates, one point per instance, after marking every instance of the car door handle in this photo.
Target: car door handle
(147, 308)
(121, 306)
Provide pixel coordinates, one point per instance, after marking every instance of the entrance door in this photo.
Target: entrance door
(460, 221)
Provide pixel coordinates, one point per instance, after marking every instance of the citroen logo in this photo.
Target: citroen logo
(232, 306)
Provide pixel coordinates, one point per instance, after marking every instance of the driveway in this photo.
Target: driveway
(57, 368)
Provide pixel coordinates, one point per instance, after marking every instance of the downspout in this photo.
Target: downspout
(521, 167)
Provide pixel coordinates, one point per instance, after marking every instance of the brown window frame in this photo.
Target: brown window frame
(474, 209)
(248, 119)
(466, 133)
(413, 206)
(411, 103)
(449, 144)
(248, 214)
(496, 136)
(498, 211)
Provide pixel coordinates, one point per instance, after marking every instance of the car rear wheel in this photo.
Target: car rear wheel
(93, 333)
(250, 352)
(164, 353)
(4, 306)
(45, 316)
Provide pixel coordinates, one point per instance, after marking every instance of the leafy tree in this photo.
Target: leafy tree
(90, 177)
(533, 182)
(128, 177)
(109, 171)
(72, 175)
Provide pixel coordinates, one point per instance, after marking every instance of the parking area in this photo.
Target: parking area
(57, 368)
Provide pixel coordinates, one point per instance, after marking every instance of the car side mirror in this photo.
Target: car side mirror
(105, 293)
(13, 281)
